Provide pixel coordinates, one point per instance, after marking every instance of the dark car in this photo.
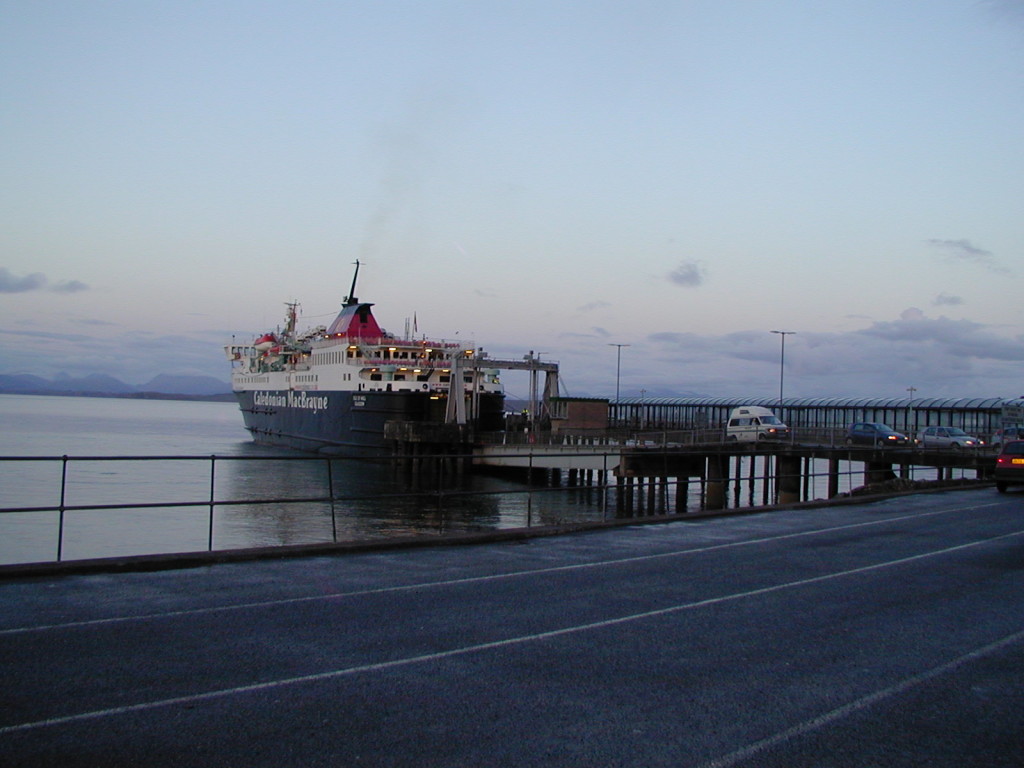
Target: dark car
(872, 433)
(1010, 465)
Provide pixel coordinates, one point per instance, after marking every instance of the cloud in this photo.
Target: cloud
(47, 335)
(939, 356)
(36, 282)
(964, 250)
(594, 305)
(69, 286)
(1003, 10)
(597, 333)
(11, 284)
(945, 300)
(963, 339)
(688, 274)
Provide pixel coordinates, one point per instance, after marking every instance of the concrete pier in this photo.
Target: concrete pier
(745, 475)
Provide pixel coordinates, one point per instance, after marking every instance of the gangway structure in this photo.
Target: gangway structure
(540, 395)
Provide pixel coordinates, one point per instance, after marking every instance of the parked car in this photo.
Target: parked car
(1010, 465)
(947, 437)
(1006, 434)
(873, 433)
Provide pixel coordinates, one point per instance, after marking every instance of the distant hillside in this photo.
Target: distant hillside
(186, 385)
(163, 385)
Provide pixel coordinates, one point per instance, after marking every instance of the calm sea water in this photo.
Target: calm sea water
(375, 499)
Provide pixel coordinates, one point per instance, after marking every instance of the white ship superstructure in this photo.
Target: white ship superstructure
(334, 387)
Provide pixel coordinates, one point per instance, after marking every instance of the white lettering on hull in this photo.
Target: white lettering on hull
(314, 403)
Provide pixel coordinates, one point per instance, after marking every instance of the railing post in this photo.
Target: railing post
(63, 489)
(209, 537)
(529, 489)
(330, 491)
(604, 485)
(438, 470)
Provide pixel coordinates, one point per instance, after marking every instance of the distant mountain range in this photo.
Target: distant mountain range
(165, 385)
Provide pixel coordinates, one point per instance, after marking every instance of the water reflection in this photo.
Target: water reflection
(257, 498)
(370, 500)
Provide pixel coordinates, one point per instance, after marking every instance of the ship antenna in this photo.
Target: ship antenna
(351, 299)
(292, 317)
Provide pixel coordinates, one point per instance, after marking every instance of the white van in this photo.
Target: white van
(752, 423)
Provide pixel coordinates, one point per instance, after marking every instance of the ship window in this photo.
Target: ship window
(423, 377)
(399, 377)
(446, 379)
(375, 377)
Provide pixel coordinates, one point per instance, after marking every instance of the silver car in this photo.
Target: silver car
(947, 437)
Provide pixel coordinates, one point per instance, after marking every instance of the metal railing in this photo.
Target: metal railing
(431, 488)
(630, 497)
(825, 437)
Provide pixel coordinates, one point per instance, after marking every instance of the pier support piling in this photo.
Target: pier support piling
(787, 478)
(717, 475)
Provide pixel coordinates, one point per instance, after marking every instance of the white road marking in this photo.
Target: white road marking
(395, 663)
(862, 703)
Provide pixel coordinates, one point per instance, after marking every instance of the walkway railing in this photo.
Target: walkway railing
(605, 493)
(320, 486)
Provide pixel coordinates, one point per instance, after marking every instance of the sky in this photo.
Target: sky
(560, 176)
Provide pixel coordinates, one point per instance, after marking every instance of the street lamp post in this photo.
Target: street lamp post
(618, 367)
(910, 413)
(782, 365)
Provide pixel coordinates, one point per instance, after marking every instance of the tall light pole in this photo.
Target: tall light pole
(618, 367)
(782, 364)
(910, 413)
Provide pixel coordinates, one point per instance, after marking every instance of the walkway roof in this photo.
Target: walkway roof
(957, 403)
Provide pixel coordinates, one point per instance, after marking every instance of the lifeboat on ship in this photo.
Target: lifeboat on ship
(265, 342)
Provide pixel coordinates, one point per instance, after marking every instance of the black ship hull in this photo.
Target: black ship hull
(346, 423)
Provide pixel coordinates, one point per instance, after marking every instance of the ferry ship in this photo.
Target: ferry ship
(332, 389)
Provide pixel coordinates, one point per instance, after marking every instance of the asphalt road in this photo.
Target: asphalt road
(885, 634)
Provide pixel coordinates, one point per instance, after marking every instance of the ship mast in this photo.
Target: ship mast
(351, 298)
(291, 318)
